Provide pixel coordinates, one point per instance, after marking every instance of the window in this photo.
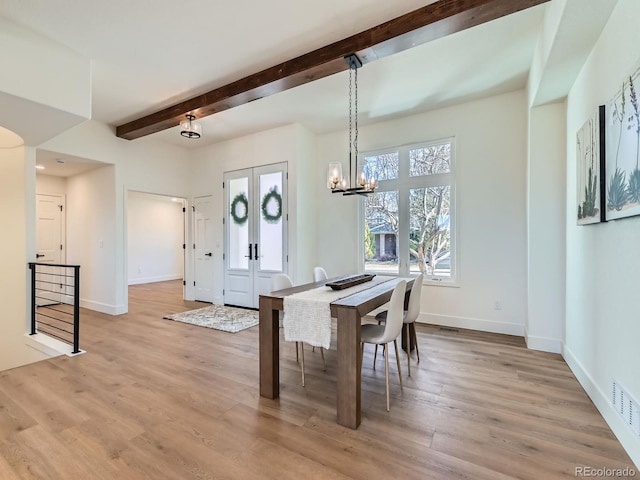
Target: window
(409, 222)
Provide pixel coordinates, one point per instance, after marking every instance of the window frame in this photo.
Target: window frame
(403, 184)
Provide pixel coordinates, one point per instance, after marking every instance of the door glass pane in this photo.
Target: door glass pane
(239, 223)
(430, 233)
(381, 232)
(271, 207)
(383, 166)
(430, 160)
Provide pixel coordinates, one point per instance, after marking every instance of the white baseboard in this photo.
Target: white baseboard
(621, 430)
(473, 324)
(103, 307)
(157, 278)
(543, 344)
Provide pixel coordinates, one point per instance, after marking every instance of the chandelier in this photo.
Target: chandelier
(189, 128)
(336, 181)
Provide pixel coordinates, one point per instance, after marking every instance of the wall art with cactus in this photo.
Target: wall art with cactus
(590, 169)
(623, 150)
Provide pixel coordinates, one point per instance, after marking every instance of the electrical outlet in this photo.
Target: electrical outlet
(497, 305)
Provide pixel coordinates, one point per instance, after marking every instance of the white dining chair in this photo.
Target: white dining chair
(319, 274)
(409, 321)
(281, 281)
(387, 333)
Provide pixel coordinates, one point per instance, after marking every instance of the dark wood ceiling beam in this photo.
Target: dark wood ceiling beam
(428, 23)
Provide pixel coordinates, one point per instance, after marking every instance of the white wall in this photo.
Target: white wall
(91, 236)
(155, 233)
(291, 144)
(51, 185)
(490, 137)
(546, 181)
(17, 182)
(602, 302)
(303, 208)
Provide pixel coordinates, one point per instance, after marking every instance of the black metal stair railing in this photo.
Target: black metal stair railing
(55, 302)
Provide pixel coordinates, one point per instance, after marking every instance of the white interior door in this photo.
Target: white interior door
(255, 220)
(49, 248)
(203, 221)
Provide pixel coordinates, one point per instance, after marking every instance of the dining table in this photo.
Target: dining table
(348, 312)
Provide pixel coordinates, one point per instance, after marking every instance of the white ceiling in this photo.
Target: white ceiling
(149, 54)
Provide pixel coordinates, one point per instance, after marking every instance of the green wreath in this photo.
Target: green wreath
(272, 195)
(240, 218)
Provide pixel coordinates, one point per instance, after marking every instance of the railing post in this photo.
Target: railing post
(32, 267)
(76, 309)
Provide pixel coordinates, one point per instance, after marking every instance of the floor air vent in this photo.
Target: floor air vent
(626, 406)
(449, 329)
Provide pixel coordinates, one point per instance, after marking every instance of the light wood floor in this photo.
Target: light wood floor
(155, 399)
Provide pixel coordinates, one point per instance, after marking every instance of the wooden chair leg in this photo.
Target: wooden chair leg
(395, 344)
(375, 355)
(386, 372)
(302, 363)
(361, 355)
(324, 365)
(415, 340)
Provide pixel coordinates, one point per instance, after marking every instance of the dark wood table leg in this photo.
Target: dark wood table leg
(349, 367)
(411, 342)
(404, 341)
(269, 350)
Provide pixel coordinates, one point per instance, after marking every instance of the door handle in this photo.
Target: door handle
(208, 254)
(256, 249)
(39, 255)
(250, 253)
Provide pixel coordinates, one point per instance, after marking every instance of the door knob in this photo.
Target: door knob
(208, 254)
(39, 255)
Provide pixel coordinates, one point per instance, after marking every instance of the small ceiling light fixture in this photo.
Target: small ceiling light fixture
(39, 167)
(189, 128)
(335, 180)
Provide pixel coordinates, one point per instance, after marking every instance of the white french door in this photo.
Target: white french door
(203, 222)
(256, 232)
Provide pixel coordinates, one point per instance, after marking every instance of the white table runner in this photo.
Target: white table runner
(307, 315)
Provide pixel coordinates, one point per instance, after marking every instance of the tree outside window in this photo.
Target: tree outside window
(408, 220)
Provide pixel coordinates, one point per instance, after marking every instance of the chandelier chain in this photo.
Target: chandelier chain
(355, 139)
(350, 115)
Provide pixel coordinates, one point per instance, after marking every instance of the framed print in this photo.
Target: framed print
(590, 155)
(623, 151)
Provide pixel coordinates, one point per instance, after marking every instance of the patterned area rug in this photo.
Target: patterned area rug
(227, 319)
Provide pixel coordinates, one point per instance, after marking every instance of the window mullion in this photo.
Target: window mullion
(403, 231)
(403, 213)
